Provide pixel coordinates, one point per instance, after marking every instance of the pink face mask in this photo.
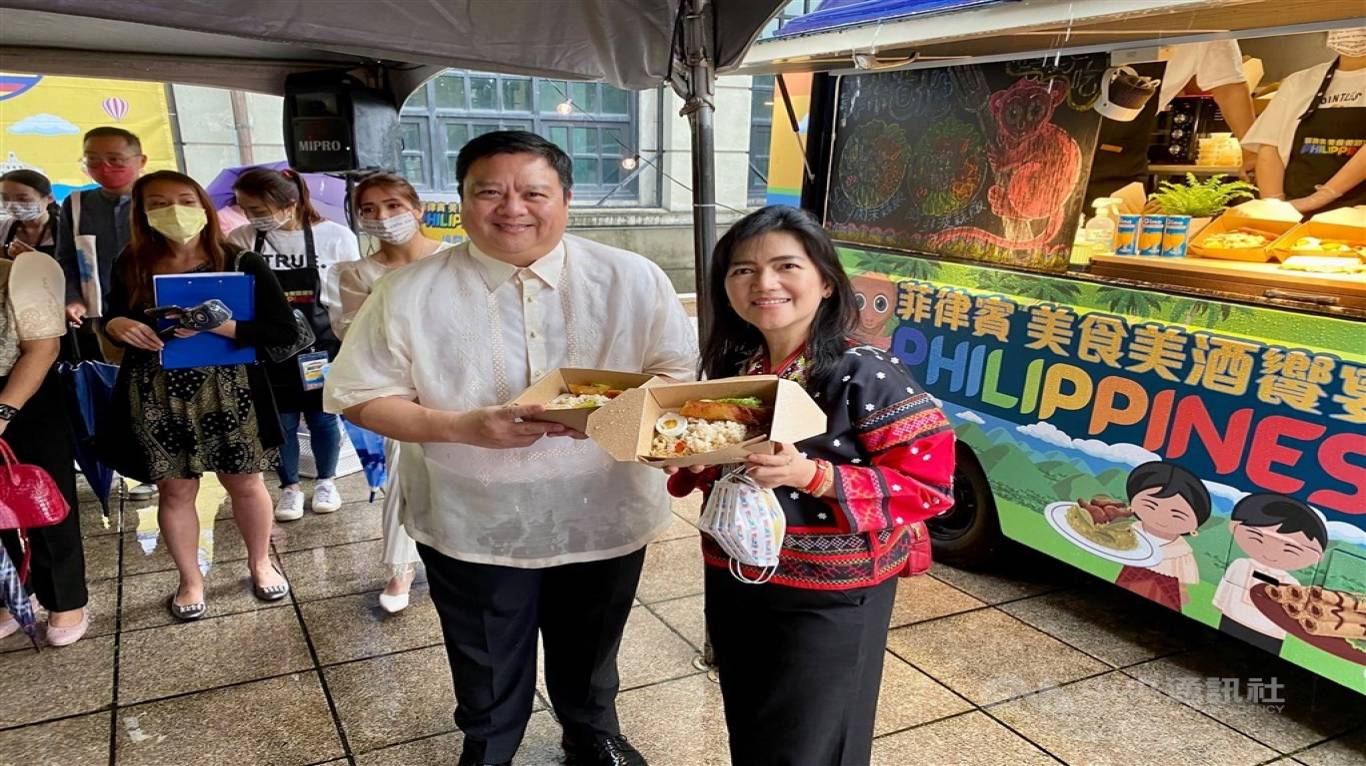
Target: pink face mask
(111, 177)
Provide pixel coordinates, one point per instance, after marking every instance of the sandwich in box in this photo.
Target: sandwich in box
(1246, 232)
(570, 394)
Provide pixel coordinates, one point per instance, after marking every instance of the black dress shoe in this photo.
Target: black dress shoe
(472, 754)
(602, 750)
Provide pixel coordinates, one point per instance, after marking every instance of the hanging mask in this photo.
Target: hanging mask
(180, 223)
(1348, 42)
(394, 230)
(25, 211)
(747, 522)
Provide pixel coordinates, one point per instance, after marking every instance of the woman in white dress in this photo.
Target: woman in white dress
(391, 213)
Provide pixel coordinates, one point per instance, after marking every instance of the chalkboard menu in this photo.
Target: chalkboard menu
(986, 162)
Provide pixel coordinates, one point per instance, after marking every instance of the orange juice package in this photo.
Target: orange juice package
(1126, 234)
(1176, 236)
(1150, 234)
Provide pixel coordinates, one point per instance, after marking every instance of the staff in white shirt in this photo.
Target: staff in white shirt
(518, 533)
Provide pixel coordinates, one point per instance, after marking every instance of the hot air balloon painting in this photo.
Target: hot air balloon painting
(115, 107)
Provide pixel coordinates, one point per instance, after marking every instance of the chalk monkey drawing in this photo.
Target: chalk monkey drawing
(876, 298)
(1035, 164)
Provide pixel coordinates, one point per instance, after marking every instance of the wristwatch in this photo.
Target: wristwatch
(7, 412)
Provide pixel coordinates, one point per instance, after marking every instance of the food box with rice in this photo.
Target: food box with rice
(572, 394)
(1333, 242)
(708, 423)
(1246, 232)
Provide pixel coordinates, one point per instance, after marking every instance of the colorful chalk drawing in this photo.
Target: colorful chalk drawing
(994, 160)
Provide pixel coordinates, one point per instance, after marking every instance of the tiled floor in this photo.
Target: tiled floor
(1028, 664)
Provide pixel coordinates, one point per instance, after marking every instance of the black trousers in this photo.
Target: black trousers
(489, 618)
(41, 435)
(800, 669)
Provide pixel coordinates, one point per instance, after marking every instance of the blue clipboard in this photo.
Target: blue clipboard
(234, 289)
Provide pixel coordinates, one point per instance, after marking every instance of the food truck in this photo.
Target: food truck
(1189, 426)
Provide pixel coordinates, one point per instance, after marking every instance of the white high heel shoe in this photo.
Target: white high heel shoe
(393, 604)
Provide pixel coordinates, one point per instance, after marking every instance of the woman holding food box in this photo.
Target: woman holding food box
(170, 426)
(390, 211)
(800, 655)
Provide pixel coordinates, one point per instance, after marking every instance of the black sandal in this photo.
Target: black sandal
(186, 612)
(272, 592)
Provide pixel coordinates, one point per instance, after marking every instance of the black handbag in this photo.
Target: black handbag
(306, 339)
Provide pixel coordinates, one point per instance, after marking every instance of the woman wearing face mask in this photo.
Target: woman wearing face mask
(305, 250)
(32, 222)
(800, 656)
(33, 423)
(172, 426)
(1309, 140)
(390, 211)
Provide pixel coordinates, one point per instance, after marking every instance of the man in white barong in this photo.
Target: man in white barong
(520, 528)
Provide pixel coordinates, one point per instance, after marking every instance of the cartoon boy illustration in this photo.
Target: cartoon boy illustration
(1279, 534)
(1170, 503)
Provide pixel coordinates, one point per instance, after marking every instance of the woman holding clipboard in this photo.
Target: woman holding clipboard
(170, 426)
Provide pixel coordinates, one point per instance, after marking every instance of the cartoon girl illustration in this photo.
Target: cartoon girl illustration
(1170, 503)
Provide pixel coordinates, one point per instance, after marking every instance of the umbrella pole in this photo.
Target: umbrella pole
(700, 109)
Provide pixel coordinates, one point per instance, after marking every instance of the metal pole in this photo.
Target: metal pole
(700, 110)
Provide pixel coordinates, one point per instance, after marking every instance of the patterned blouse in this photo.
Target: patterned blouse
(893, 455)
(32, 290)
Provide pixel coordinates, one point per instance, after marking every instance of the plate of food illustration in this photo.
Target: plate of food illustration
(1332, 620)
(1106, 527)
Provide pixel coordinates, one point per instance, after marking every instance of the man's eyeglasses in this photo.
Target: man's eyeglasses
(111, 160)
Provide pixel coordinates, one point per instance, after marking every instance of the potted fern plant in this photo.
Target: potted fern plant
(1201, 200)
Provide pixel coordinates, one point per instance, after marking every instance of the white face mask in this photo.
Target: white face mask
(268, 223)
(25, 211)
(748, 522)
(1348, 42)
(394, 230)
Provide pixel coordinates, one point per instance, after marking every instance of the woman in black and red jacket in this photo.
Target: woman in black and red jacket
(800, 657)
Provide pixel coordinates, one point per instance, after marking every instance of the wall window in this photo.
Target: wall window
(789, 12)
(760, 131)
(458, 105)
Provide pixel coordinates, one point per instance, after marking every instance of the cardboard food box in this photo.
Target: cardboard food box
(557, 382)
(626, 426)
(1347, 225)
(1270, 218)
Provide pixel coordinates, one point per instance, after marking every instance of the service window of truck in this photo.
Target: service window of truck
(1171, 397)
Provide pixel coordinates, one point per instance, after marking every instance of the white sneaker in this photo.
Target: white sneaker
(326, 498)
(291, 505)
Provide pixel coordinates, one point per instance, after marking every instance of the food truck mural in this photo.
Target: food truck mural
(1206, 454)
(1202, 454)
(43, 119)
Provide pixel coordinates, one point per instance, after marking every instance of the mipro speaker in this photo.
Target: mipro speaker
(335, 123)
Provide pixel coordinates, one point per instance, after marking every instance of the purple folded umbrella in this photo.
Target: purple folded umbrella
(327, 193)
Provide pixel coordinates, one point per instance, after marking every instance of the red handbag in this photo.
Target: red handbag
(29, 498)
(920, 558)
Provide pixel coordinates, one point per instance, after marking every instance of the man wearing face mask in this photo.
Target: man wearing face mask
(1309, 139)
(113, 158)
(521, 535)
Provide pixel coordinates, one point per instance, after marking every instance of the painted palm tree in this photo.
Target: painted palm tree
(1135, 303)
